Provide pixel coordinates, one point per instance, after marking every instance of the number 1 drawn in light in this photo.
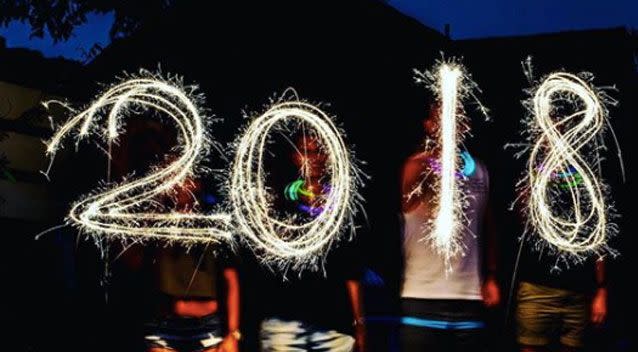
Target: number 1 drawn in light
(446, 223)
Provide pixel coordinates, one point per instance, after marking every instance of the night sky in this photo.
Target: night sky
(95, 30)
(468, 19)
(489, 18)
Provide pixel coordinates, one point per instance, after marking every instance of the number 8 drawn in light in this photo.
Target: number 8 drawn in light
(579, 225)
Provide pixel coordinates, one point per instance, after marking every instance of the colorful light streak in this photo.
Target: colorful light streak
(468, 170)
(295, 188)
(469, 165)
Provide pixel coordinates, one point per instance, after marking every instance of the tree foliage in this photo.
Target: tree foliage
(60, 17)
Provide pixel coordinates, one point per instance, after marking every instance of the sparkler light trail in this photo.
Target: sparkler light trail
(565, 132)
(287, 243)
(451, 85)
(132, 209)
(448, 218)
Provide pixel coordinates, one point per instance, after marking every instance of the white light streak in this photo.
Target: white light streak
(132, 209)
(286, 243)
(449, 213)
(573, 220)
(451, 85)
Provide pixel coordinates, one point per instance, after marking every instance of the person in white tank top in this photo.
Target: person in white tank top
(443, 301)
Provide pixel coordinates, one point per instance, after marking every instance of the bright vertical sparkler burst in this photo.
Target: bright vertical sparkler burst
(451, 86)
(133, 209)
(568, 204)
(287, 243)
(447, 220)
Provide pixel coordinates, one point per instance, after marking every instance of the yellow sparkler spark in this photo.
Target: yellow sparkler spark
(284, 242)
(131, 209)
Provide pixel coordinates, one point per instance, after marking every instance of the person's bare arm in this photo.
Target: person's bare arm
(132, 256)
(412, 178)
(599, 303)
(230, 343)
(491, 251)
(354, 293)
(491, 291)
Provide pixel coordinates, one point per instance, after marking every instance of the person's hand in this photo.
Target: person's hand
(360, 337)
(599, 307)
(184, 194)
(229, 344)
(491, 292)
(521, 204)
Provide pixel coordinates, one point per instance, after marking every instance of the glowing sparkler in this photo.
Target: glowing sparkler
(133, 209)
(448, 218)
(451, 85)
(571, 216)
(285, 242)
(583, 228)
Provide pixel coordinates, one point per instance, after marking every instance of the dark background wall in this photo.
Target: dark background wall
(357, 56)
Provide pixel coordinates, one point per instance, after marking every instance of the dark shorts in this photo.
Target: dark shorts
(442, 325)
(184, 334)
(546, 314)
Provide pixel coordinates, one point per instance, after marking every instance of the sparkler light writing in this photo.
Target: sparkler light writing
(451, 85)
(568, 204)
(285, 242)
(132, 209)
(448, 218)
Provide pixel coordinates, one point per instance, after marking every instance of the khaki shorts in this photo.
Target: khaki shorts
(544, 313)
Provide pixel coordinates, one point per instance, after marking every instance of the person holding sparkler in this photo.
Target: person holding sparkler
(557, 306)
(444, 295)
(568, 212)
(315, 311)
(192, 282)
(188, 284)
